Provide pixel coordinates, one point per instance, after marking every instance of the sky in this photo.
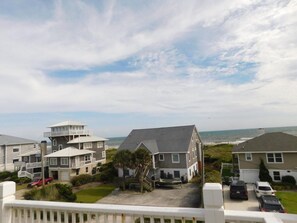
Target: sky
(121, 65)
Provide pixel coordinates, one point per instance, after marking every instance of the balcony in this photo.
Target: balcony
(82, 163)
(67, 133)
(12, 210)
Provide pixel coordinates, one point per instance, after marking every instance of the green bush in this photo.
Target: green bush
(81, 180)
(30, 195)
(4, 175)
(289, 180)
(65, 192)
(24, 180)
(107, 173)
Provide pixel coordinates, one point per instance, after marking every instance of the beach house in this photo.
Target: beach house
(278, 151)
(176, 151)
(11, 149)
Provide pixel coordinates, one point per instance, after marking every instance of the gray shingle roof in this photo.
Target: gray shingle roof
(167, 139)
(275, 141)
(13, 140)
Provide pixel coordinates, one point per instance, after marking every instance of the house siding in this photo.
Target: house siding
(289, 161)
(167, 163)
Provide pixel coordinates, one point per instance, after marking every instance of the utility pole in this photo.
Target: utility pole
(43, 146)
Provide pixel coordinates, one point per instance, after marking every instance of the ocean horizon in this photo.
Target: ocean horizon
(234, 136)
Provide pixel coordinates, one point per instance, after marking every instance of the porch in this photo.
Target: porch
(13, 210)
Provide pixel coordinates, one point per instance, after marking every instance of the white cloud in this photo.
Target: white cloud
(167, 79)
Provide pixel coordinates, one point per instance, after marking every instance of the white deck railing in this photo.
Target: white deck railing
(12, 211)
(67, 132)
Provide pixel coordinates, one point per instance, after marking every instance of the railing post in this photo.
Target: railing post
(7, 193)
(213, 203)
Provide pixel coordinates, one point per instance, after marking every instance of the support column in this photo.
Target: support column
(213, 203)
(7, 193)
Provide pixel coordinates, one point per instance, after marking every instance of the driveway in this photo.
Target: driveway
(241, 205)
(186, 196)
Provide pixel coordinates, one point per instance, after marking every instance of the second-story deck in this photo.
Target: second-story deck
(12, 211)
(67, 133)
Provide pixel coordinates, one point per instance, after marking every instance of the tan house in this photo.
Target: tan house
(278, 151)
(69, 162)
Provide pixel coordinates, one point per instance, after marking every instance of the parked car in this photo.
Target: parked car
(38, 182)
(238, 190)
(263, 188)
(270, 203)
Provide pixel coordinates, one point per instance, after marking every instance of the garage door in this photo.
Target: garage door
(249, 176)
(64, 176)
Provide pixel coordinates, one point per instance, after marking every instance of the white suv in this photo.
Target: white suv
(263, 188)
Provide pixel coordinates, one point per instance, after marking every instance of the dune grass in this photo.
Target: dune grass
(93, 194)
(289, 200)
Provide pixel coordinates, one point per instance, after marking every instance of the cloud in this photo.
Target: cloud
(200, 59)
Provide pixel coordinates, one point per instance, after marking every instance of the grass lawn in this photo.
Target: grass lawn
(93, 194)
(21, 186)
(289, 201)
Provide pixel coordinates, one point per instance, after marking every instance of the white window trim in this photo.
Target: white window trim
(161, 155)
(103, 154)
(88, 145)
(248, 157)
(60, 147)
(63, 163)
(87, 157)
(17, 149)
(275, 158)
(53, 161)
(99, 144)
(274, 176)
(172, 155)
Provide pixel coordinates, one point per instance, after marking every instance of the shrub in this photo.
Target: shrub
(107, 173)
(65, 192)
(264, 173)
(213, 176)
(29, 195)
(24, 180)
(289, 180)
(4, 175)
(81, 180)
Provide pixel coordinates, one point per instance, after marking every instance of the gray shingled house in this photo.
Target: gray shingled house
(176, 151)
(11, 149)
(278, 151)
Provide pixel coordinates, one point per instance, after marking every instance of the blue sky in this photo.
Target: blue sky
(120, 65)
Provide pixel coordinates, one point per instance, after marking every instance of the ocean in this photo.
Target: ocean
(223, 136)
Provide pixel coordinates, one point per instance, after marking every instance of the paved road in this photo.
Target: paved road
(187, 196)
(250, 205)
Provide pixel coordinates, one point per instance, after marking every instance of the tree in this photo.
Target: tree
(264, 173)
(142, 160)
(123, 160)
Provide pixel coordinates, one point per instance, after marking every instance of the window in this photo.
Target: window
(276, 175)
(87, 158)
(99, 144)
(60, 146)
(54, 142)
(176, 174)
(190, 172)
(161, 157)
(274, 157)
(64, 161)
(248, 157)
(126, 172)
(53, 161)
(175, 158)
(87, 169)
(15, 160)
(103, 154)
(15, 150)
(87, 145)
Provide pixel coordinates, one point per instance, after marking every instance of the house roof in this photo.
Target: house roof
(83, 139)
(69, 152)
(67, 123)
(166, 139)
(13, 140)
(275, 141)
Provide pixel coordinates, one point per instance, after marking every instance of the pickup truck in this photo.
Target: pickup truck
(38, 182)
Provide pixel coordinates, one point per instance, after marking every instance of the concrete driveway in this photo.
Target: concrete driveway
(241, 205)
(186, 196)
